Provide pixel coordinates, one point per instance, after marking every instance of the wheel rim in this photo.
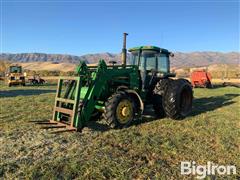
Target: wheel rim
(124, 111)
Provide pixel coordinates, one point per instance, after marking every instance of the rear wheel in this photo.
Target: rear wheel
(157, 98)
(34, 82)
(177, 101)
(209, 85)
(119, 110)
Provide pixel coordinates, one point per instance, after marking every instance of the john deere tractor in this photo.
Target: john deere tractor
(120, 93)
(15, 76)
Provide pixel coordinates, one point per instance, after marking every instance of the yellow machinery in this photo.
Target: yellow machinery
(15, 76)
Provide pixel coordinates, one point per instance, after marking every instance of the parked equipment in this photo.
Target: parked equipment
(201, 78)
(36, 80)
(15, 76)
(121, 92)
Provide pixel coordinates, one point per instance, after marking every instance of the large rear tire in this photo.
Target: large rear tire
(119, 110)
(157, 98)
(177, 101)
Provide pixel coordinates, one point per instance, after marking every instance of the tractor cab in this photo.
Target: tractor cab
(153, 63)
(15, 76)
(15, 69)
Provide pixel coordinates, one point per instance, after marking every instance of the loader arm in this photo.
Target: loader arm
(88, 103)
(83, 94)
(99, 83)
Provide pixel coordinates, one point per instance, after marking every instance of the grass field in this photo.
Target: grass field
(150, 149)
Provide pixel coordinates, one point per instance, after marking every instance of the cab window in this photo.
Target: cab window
(148, 60)
(15, 69)
(134, 58)
(163, 63)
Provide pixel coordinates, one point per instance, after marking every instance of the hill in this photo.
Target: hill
(58, 58)
(180, 59)
(49, 66)
(194, 59)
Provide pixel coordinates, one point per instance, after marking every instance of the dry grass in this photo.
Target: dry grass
(150, 149)
(49, 66)
(226, 80)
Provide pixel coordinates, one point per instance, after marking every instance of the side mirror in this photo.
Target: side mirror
(171, 54)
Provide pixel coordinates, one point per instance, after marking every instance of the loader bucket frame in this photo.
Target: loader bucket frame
(67, 103)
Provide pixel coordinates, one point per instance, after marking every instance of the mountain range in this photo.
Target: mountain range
(179, 60)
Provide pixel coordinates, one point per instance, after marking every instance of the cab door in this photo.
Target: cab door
(148, 65)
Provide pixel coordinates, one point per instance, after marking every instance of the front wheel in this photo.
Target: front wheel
(177, 101)
(120, 110)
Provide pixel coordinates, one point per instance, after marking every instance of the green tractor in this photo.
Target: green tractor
(120, 93)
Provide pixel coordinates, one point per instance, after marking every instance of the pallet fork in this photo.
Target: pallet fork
(74, 106)
(65, 107)
(71, 105)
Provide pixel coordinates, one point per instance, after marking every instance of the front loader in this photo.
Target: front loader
(120, 93)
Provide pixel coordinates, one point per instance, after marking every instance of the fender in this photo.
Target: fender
(136, 96)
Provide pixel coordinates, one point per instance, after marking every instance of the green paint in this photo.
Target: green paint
(153, 48)
(94, 85)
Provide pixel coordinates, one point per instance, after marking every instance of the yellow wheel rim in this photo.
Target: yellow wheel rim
(124, 111)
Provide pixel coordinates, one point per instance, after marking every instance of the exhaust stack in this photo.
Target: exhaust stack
(124, 50)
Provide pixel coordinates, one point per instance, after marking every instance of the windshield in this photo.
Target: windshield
(15, 69)
(151, 60)
(148, 60)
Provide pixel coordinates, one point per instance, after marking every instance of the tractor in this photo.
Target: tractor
(120, 93)
(15, 76)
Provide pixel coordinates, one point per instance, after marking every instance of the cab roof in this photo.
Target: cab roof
(154, 48)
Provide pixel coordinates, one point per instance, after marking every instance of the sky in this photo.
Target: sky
(81, 27)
